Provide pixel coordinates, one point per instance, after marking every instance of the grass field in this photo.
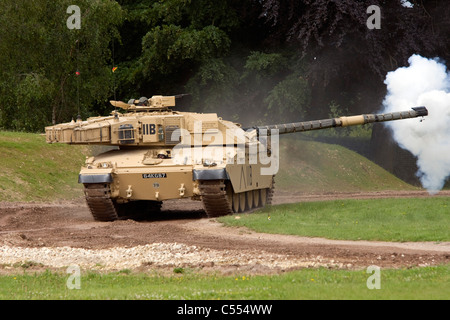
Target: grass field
(32, 170)
(417, 283)
(419, 219)
(315, 167)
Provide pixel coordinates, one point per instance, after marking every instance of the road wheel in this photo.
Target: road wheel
(235, 202)
(242, 202)
(249, 195)
(255, 198)
(263, 197)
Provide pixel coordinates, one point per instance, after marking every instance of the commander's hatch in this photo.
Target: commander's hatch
(155, 103)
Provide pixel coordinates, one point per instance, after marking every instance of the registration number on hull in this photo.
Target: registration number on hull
(154, 175)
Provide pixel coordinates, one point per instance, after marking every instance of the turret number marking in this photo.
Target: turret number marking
(149, 128)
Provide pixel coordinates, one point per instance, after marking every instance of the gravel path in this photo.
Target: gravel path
(158, 255)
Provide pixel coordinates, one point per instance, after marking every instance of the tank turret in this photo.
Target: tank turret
(162, 154)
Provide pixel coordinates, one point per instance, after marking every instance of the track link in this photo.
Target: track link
(215, 199)
(270, 192)
(218, 197)
(98, 198)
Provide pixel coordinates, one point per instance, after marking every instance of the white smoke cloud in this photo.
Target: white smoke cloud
(424, 83)
(406, 4)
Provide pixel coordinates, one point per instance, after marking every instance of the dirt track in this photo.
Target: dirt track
(62, 234)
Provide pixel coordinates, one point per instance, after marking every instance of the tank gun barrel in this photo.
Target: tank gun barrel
(343, 121)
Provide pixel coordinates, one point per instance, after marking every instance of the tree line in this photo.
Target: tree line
(252, 61)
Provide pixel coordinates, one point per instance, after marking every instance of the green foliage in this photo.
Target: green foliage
(291, 95)
(249, 88)
(32, 92)
(253, 61)
(177, 36)
(166, 48)
(40, 56)
(213, 87)
(265, 64)
(194, 13)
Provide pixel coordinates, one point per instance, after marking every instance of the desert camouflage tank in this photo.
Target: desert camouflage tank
(163, 154)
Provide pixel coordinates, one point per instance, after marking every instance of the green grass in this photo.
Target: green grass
(416, 283)
(315, 167)
(418, 219)
(33, 170)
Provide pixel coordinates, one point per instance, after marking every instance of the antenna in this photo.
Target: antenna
(78, 79)
(114, 73)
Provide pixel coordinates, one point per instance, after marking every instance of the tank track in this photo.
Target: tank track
(98, 198)
(103, 208)
(270, 192)
(215, 198)
(219, 198)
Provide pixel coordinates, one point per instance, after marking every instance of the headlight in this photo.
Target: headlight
(209, 163)
(104, 165)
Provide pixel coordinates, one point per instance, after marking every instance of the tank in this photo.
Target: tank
(160, 154)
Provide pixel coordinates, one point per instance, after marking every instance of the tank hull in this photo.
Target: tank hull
(121, 179)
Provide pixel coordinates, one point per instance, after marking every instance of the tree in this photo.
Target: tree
(176, 37)
(40, 58)
(347, 60)
(251, 60)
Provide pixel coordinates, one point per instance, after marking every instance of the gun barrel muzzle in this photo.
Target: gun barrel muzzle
(421, 111)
